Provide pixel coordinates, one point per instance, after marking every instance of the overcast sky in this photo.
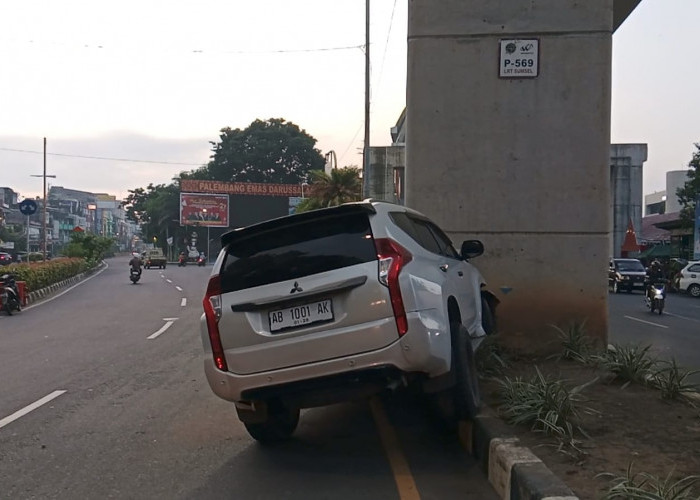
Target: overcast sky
(156, 81)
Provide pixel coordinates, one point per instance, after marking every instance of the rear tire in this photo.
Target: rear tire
(280, 425)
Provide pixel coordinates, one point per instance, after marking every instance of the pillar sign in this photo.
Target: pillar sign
(519, 58)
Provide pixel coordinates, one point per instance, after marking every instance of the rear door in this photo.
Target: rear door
(301, 290)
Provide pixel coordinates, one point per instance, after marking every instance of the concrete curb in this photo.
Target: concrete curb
(514, 471)
(42, 293)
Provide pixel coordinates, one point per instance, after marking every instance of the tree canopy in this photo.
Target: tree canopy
(689, 193)
(341, 186)
(273, 151)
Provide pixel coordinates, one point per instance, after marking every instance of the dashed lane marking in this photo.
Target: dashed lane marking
(168, 323)
(29, 408)
(178, 288)
(647, 322)
(183, 302)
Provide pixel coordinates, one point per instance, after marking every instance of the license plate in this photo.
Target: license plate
(304, 314)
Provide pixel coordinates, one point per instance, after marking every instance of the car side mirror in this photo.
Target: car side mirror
(472, 248)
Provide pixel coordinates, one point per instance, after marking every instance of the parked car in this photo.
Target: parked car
(689, 279)
(324, 306)
(626, 274)
(5, 259)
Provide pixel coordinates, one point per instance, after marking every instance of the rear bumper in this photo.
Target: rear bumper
(423, 351)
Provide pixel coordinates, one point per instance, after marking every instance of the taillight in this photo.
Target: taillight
(392, 258)
(212, 313)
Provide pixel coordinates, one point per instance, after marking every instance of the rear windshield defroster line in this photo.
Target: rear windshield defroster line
(302, 247)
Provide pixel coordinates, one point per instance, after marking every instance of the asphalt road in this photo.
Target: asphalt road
(99, 399)
(674, 334)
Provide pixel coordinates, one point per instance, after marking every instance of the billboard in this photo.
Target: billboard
(198, 209)
(242, 188)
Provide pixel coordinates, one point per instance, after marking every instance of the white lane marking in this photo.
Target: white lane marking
(183, 302)
(31, 407)
(178, 288)
(168, 323)
(169, 281)
(683, 317)
(54, 297)
(647, 322)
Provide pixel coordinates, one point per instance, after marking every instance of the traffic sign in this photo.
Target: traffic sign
(28, 207)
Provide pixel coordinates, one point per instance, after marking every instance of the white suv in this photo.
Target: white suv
(344, 302)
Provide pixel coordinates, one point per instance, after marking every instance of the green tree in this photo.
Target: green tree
(688, 194)
(89, 246)
(157, 209)
(273, 151)
(341, 186)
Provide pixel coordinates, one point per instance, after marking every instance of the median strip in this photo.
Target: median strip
(20, 413)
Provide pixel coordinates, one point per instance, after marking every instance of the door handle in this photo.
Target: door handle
(444, 267)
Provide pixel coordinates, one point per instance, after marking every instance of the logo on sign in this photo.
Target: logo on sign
(28, 207)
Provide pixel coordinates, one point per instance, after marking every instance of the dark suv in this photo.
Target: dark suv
(343, 302)
(626, 274)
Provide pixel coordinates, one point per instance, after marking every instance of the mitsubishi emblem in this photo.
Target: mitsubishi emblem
(296, 288)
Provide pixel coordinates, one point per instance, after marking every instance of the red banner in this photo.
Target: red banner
(246, 188)
(204, 209)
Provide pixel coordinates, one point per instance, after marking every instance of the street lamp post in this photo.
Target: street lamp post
(302, 188)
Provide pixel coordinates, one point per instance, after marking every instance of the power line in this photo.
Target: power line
(104, 158)
(195, 51)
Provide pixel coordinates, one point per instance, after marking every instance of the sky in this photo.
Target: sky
(132, 92)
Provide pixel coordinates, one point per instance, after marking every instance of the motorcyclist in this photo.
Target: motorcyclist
(135, 264)
(655, 275)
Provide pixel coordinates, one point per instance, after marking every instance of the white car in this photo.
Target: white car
(332, 304)
(689, 279)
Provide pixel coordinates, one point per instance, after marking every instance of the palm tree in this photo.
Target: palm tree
(341, 186)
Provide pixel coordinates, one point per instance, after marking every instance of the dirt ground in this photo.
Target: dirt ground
(630, 425)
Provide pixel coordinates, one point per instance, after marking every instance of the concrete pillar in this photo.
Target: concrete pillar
(522, 164)
(626, 163)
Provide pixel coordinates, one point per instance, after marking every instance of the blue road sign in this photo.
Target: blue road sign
(28, 207)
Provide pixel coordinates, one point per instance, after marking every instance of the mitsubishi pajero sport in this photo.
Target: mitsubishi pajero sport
(324, 306)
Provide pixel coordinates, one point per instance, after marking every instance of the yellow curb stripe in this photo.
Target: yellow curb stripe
(399, 466)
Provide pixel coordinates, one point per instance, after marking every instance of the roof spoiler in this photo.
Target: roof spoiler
(321, 213)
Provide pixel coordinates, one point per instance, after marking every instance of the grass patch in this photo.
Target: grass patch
(576, 344)
(627, 363)
(672, 380)
(645, 486)
(547, 405)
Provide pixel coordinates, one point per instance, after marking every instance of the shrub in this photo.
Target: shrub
(38, 275)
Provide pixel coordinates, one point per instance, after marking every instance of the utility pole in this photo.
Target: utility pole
(365, 151)
(43, 214)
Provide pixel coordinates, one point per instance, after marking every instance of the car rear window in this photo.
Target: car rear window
(295, 250)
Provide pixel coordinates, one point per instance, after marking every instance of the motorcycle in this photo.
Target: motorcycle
(182, 261)
(656, 297)
(9, 294)
(134, 275)
(201, 261)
